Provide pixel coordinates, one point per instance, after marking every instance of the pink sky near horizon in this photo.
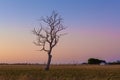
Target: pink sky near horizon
(77, 46)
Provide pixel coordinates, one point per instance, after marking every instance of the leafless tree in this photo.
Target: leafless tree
(49, 36)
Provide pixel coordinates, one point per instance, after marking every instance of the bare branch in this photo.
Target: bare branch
(49, 36)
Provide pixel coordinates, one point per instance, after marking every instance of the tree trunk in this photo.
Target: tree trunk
(49, 61)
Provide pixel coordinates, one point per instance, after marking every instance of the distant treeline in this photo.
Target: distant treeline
(21, 64)
(90, 62)
(101, 62)
(114, 63)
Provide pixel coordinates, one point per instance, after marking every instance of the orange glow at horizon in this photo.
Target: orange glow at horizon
(76, 46)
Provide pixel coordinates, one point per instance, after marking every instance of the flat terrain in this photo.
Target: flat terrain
(61, 72)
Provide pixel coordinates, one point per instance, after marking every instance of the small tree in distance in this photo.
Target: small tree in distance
(48, 37)
(95, 61)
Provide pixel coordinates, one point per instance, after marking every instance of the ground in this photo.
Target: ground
(60, 72)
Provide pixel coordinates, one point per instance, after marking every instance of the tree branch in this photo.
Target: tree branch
(49, 36)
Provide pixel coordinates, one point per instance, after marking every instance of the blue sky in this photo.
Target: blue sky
(79, 11)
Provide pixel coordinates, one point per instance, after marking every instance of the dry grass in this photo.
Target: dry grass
(63, 72)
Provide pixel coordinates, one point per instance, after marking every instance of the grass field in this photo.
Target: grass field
(61, 72)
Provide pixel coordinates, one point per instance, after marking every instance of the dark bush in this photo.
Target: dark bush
(95, 61)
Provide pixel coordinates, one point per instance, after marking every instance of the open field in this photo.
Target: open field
(61, 72)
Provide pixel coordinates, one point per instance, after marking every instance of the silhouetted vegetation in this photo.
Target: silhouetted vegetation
(114, 63)
(95, 61)
(48, 37)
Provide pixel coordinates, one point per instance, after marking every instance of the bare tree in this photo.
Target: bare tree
(48, 37)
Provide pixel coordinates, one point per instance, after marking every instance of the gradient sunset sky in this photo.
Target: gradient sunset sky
(93, 30)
